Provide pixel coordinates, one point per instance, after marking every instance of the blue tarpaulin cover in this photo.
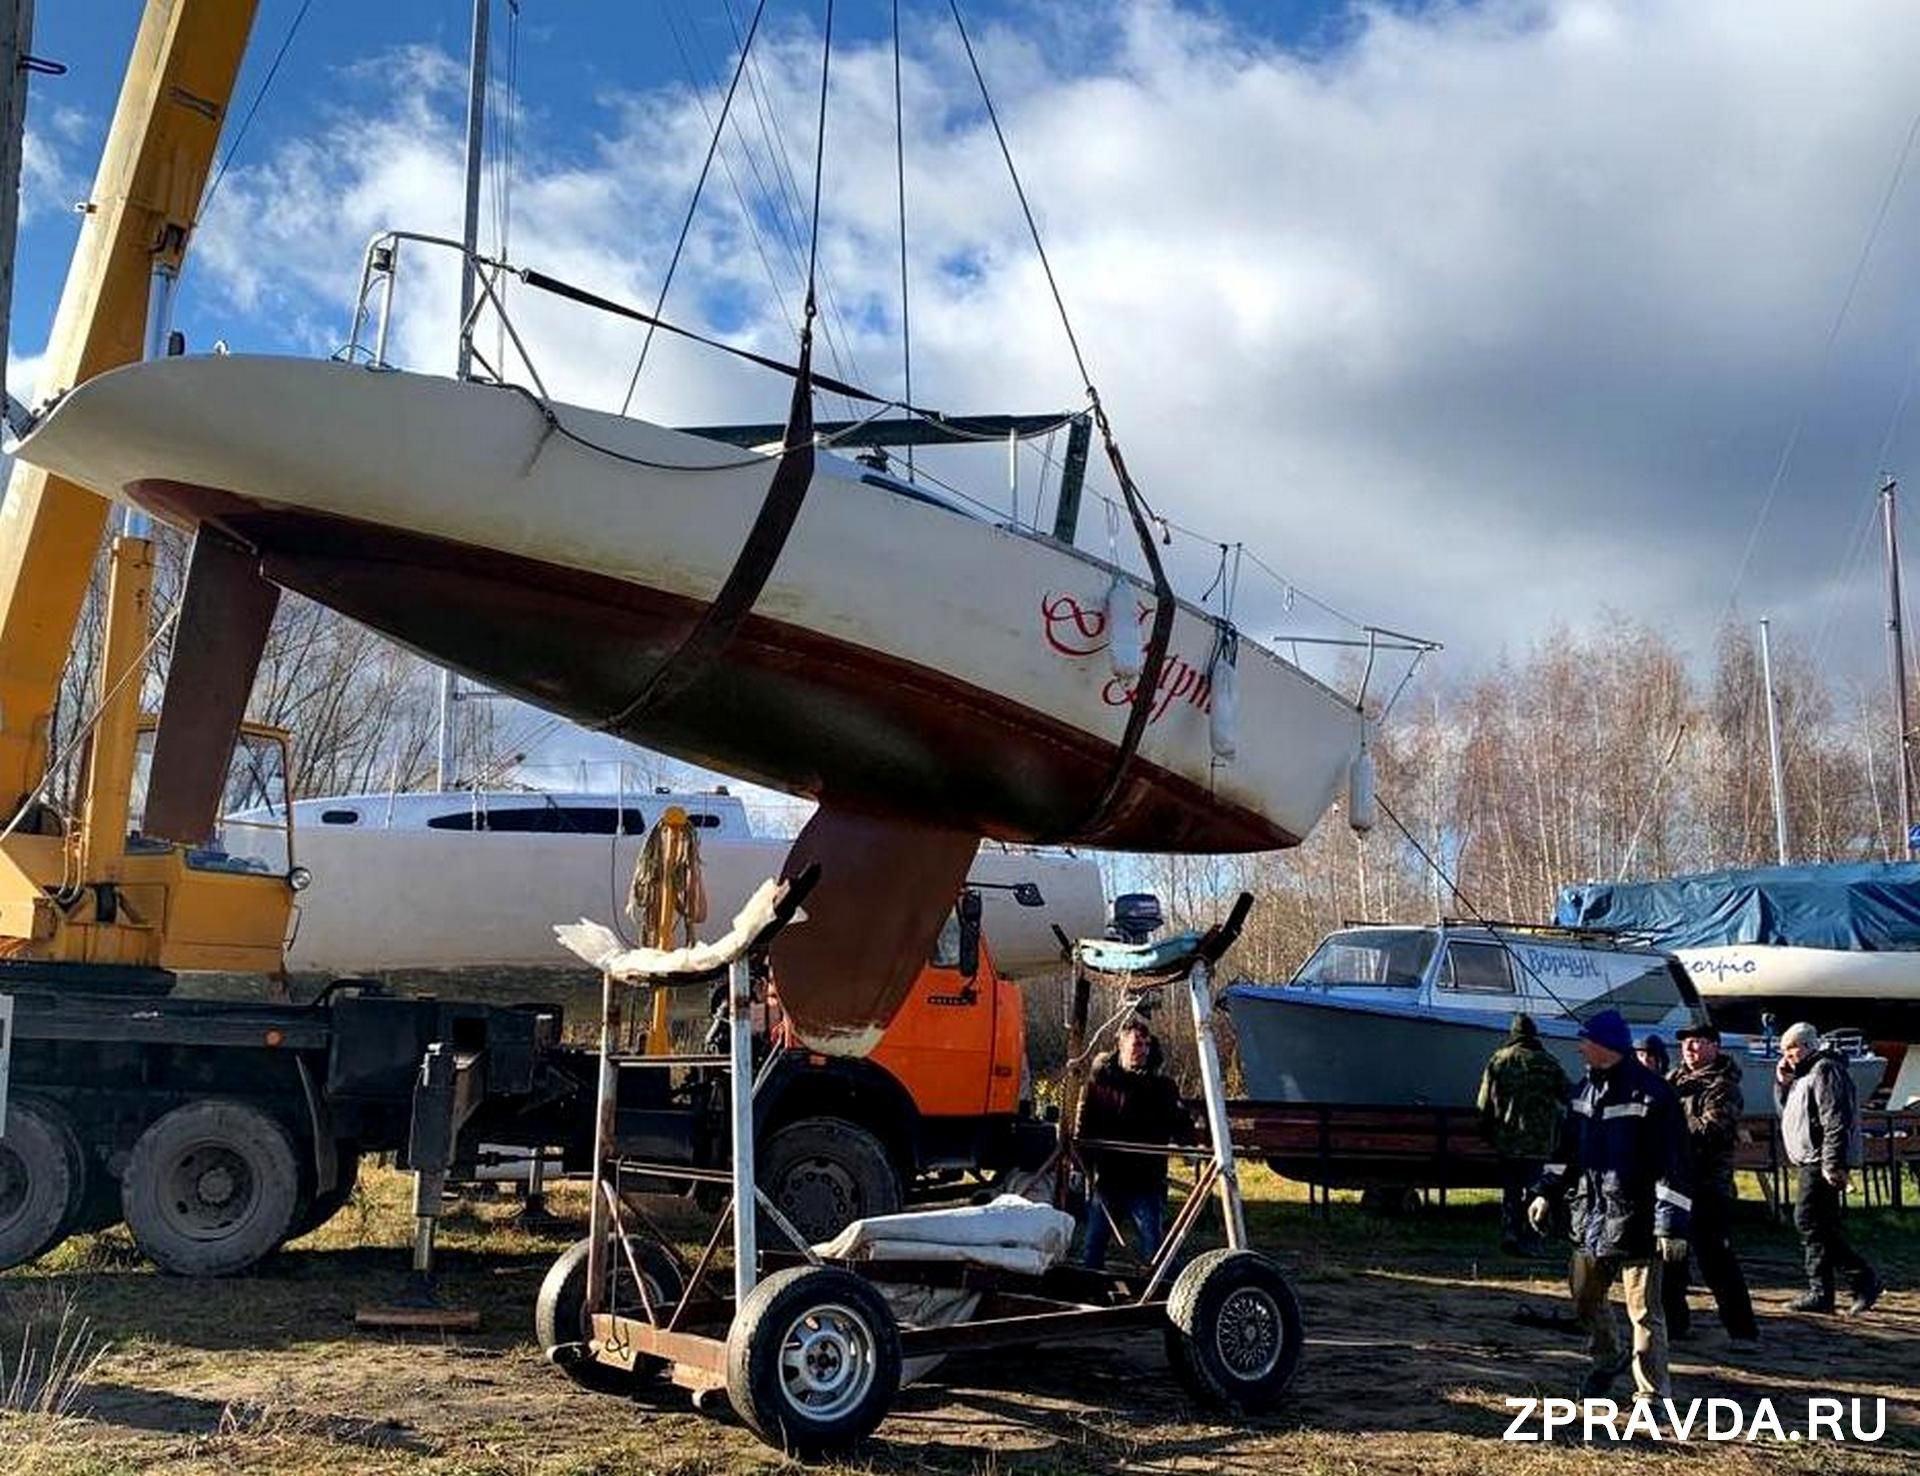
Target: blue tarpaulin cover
(1870, 906)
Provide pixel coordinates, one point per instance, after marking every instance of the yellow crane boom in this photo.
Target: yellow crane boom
(90, 898)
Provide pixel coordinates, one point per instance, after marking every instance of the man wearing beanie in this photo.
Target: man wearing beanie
(1820, 1129)
(1523, 1096)
(1622, 1169)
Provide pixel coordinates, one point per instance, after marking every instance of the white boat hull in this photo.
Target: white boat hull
(1877, 994)
(903, 657)
(385, 900)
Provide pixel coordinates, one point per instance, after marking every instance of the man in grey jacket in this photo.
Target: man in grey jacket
(1820, 1129)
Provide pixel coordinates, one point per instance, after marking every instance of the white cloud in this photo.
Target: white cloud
(1473, 319)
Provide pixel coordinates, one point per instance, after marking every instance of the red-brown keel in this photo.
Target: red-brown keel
(885, 889)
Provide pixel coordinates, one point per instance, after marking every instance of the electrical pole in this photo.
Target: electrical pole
(1773, 748)
(1897, 664)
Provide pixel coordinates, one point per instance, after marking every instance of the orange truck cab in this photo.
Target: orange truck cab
(944, 1093)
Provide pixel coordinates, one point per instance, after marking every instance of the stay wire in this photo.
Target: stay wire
(819, 158)
(787, 211)
(900, 191)
(1033, 228)
(246, 121)
(1467, 902)
(1826, 359)
(693, 205)
(740, 196)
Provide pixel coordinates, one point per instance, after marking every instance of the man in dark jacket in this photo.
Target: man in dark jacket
(1523, 1096)
(1820, 1129)
(1127, 1100)
(1622, 1169)
(1707, 1084)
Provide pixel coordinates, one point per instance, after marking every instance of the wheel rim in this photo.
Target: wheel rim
(827, 1362)
(1247, 1334)
(207, 1190)
(16, 1185)
(819, 1196)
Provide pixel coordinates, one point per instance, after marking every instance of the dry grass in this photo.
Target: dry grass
(1411, 1355)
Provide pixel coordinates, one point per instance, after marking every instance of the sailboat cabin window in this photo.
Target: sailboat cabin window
(1476, 968)
(545, 820)
(339, 817)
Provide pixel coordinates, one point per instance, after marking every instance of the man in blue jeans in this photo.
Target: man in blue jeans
(1127, 1100)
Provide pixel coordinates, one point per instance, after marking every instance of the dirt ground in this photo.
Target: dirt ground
(1412, 1349)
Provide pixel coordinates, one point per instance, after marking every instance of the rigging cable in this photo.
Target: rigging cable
(1826, 359)
(833, 329)
(246, 122)
(900, 191)
(686, 224)
(1467, 902)
(1146, 684)
(733, 180)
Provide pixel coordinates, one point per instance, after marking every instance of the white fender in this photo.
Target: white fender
(1363, 805)
(1223, 729)
(1123, 630)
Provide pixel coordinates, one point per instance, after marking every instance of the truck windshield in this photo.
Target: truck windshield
(1391, 959)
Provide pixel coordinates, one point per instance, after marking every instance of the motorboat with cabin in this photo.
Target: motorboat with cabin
(1385, 1016)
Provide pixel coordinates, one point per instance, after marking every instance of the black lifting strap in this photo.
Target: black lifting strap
(692, 658)
(1146, 686)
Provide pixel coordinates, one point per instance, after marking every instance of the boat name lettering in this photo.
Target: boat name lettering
(1561, 963)
(1075, 628)
(1721, 967)
(1180, 681)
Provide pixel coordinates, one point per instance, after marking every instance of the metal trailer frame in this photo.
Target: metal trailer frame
(813, 1371)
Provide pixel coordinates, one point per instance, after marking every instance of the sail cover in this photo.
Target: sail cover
(1868, 906)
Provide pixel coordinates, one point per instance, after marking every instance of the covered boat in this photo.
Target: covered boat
(1838, 945)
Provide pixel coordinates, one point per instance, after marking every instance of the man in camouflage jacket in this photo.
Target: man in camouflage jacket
(1523, 1097)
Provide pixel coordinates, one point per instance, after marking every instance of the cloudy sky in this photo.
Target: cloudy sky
(1469, 318)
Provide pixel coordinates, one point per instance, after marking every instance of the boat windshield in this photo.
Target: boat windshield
(1390, 958)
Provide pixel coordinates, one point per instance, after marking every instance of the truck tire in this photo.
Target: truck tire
(813, 1360)
(42, 1179)
(211, 1188)
(1233, 1334)
(823, 1173)
(323, 1207)
(100, 1207)
(560, 1311)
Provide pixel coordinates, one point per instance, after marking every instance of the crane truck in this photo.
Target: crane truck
(220, 1128)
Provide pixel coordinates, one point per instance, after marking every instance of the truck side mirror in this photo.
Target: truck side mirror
(969, 909)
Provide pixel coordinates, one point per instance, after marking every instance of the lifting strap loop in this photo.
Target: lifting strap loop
(779, 510)
(1147, 684)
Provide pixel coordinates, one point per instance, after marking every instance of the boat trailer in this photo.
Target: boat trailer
(807, 1347)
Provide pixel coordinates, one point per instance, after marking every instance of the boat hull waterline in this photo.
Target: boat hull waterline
(904, 657)
(1303, 1046)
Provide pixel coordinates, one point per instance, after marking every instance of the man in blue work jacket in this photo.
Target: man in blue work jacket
(1622, 1170)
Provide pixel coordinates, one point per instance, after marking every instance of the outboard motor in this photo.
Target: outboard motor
(1136, 917)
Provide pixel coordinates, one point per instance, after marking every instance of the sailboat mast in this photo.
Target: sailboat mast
(463, 350)
(1773, 747)
(1897, 663)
